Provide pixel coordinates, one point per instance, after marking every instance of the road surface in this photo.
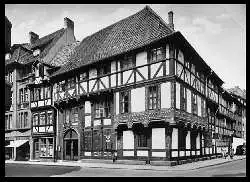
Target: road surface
(231, 169)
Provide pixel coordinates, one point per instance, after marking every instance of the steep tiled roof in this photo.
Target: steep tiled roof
(22, 55)
(132, 32)
(64, 54)
(47, 39)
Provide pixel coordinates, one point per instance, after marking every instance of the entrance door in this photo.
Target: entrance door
(71, 145)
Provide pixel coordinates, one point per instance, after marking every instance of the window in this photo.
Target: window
(153, 97)
(11, 97)
(67, 115)
(83, 76)
(61, 86)
(102, 109)
(10, 122)
(71, 83)
(183, 98)
(41, 70)
(25, 119)
(157, 54)
(194, 108)
(43, 147)
(41, 93)
(49, 118)
(125, 102)
(35, 120)
(26, 95)
(6, 122)
(21, 95)
(182, 139)
(75, 115)
(42, 118)
(47, 92)
(127, 62)
(141, 140)
(104, 69)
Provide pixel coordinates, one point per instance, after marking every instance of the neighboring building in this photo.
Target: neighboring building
(8, 27)
(21, 72)
(44, 114)
(138, 87)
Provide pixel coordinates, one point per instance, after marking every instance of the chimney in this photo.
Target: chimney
(170, 19)
(68, 23)
(33, 37)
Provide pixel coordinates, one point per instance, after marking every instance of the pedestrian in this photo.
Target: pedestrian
(231, 153)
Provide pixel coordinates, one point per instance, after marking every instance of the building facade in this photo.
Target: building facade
(136, 88)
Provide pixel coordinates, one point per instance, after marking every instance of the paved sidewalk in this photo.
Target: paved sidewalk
(183, 167)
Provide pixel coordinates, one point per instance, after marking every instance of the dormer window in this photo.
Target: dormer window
(36, 52)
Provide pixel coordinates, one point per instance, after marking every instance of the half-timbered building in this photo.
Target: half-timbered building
(139, 88)
(43, 128)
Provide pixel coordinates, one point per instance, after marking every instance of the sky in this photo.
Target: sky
(217, 32)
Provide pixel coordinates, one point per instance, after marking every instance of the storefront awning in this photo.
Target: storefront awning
(17, 143)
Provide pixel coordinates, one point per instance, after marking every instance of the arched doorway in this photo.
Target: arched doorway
(70, 142)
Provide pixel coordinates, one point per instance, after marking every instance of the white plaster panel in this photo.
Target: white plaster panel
(113, 66)
(50, 129)
(107, 121)
(198, 153)
(211, 150)
(84, 86)
(117, 102)
(87, 121)
(40, 103)
(166, 95)
(97, 122)
(71, 91)
(142, 153)
(141, 58)
(119, 79)
(32, 104)
(167, 67)
(167, 51)
(62, 95)
(128, 153)
(154, 68)
(198, 141)
(128, 139)
(113, 80)
(105, 81)
(87, 107)
(92, 73)
(188, 140)
(158, 138)
(187, 153)
(193, 152)
(42, 129)
(48, 102)
(87, 153)
(138, 99)
(91, 85)
(218, 149)
(175, 138)
(34, 130)
(199, 105)
(159, 154)
(174, 153)
(177, 95)
(182, 153)
(126, 76)
(181, 56)
(144, 71)
(207, 150)
(189, 100)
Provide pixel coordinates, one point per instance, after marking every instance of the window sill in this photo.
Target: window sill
(142, 148)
